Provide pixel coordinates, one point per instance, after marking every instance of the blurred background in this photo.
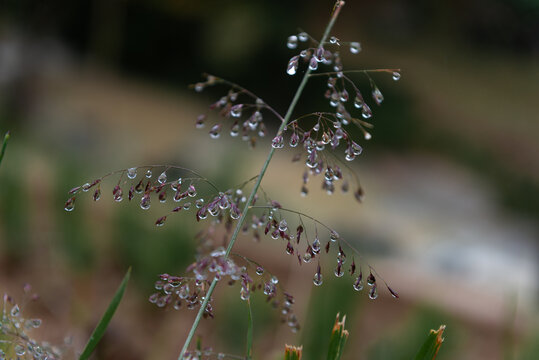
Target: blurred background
(451, 174)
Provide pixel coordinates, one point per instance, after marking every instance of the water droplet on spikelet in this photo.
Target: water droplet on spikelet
(292, 66)
(132, 172)
(162, 178)
(313, 64)
(355, 47)
(292, 42)
(317, 279)
(70, 204)
(377, 96)
(373, 293)
(145, 202)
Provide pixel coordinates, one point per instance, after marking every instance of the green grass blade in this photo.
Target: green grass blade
(249, 354)
(432, 345)
(337, 339)
(292, 352)
(4, 145)
(101, 327)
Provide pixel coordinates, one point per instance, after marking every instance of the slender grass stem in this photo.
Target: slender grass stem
(4, 145)
(366, 71)
(338, 6)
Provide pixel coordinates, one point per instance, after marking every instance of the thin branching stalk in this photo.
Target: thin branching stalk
(239, 225)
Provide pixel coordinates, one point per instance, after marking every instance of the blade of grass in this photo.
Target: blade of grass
(249, 353)
(337, 340)
(101, 327)
(432, 345)
(4, 145)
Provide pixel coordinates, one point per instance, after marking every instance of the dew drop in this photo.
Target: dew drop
(162, 178)
(97, 194)
(15, 310)
(145, 202)
(334, 40)
(235, 213)
(358, 102)
(20, 350)
(199, 124)
(199, 87)
(215, 131)
(289, 249)
(86, 187)
(358, 284)
(187, 206)
(118, 194)
(396, 75)
(149, 173)
(377, 96)
(373, 293)
(199, 203)
(303, 36)
(70, 204)
(339, 271)
(292, 67)
(294, 140)
(313, 64)
(244, 294)
(371, 280)
(307, 257)
(316, 245)
(274, 280)
(277, 142)
(235, 129)
(319, 54)
(366, 111)
(235, 111)
(317, 279)
(333, 236)
(191, 191)
(259, 270)
(283, 226)
(161, 221)
(292, 42)
(132, 172)
(355, 47)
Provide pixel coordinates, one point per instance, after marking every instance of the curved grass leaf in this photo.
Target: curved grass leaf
(4, 145)
(432, 345)
(101, 327)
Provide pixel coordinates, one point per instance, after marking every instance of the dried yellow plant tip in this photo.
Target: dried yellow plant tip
(293, 352)
(339, 326)
(439, 338)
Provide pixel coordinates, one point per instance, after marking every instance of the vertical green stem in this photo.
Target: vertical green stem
(249, 202)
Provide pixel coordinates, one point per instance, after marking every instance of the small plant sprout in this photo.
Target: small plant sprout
(321, 140)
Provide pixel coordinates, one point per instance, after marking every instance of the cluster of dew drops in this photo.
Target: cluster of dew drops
(14, 329)
(276, 225)
(180, 189)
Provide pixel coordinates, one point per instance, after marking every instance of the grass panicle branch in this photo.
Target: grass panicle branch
(239, 225)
